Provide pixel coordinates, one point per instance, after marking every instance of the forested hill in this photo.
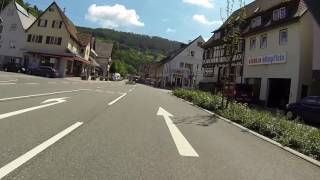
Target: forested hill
(131, 50)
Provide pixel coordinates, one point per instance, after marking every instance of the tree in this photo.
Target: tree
(33, 10)
(232, 39)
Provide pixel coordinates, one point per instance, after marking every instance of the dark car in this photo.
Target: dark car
(14, 67)
(308, 109)
(45, 71)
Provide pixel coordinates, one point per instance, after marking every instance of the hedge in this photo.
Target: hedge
(298, 136)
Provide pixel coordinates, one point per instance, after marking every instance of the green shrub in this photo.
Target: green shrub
(296, 135)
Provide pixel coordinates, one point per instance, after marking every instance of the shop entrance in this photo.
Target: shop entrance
(279, 93)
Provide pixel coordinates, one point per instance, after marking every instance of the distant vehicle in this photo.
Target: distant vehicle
(116, 77)
(44, 71)
(14, 67)
(308, 109)
(243, 93)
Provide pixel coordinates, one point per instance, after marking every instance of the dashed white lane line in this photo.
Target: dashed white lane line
(8, 81)
(2, 84)
(43, 94)
(7, 169)
(120, 97)
(52, 82)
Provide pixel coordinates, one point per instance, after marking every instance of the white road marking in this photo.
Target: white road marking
(8, 83)
(182, 144)
(114, 101)
(32, 83)
(7, 169)
(44, 94)
(52, 82)
(51, 101)
(65, 83)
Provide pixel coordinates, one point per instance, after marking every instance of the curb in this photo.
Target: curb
(294, 152)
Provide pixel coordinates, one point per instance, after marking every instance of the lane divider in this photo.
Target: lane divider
(13, 165)
(120, 97)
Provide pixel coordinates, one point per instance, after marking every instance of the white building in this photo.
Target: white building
(14, 20)
(182, 68)
(278, 55)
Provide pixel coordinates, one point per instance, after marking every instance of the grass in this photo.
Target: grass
(293, 134)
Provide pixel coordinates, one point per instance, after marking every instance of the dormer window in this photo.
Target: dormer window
(256, 22)
(279, 14)
(217, 35)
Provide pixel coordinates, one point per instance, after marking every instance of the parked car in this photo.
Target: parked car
(308, 109)
(243, 93)
(14, 67)
(45, 71)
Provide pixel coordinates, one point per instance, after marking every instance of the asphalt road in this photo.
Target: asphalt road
(72, 129)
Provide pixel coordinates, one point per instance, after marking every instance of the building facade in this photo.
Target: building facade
(104, 51)
(181, 68)
(14, 20)
(52, 41)
(278, 55)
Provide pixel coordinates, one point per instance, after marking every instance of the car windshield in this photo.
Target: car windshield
(159, 89)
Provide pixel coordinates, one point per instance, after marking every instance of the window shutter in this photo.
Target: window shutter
(48, 40)
(59, 40)
(53, 23)
(29, 38)
(60, 25)
(40, 39)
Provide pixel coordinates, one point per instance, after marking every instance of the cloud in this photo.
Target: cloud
(113, 16)
(203, 20)
(203, 3)
(169, 30)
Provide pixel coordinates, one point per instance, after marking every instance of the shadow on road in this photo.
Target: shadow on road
(199, 120)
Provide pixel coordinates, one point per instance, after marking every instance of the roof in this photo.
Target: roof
(67, 22)
(25, 17)
(104, 49)
(84, 38)
(175, 53)
(314, 7)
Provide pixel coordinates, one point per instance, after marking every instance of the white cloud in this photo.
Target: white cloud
(169, 30)
(113, 16)
(203, 3)
(203, 20)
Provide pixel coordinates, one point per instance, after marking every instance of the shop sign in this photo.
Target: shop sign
(268, 59)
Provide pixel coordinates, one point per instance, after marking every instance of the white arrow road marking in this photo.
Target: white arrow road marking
(51, 101)
(44, 94)
(183, 146)
(5, 170)
(114, 101)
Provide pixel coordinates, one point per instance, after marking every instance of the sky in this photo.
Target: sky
(180, 20)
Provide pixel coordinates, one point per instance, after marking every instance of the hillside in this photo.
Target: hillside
(130, 50)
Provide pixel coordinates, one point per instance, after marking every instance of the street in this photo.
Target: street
(73, 129)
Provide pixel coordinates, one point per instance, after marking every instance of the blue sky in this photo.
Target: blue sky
(180, 20)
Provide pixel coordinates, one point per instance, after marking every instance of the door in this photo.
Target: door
(279, 93)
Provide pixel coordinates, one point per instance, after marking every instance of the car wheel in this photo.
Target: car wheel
(290, 115)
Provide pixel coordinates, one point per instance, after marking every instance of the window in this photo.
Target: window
(181, 65)
(51, 9)
(56, 24)
(192, 53)
(263, 41)
(217, 35)
(253, 42)
(283, 13)
(12, 45)
(42, 22)
(276, 15)
(53, 40)
(34, 38)
(279, 14)
(1, 28)
(283, 37)
(13, 27)
(256, 22)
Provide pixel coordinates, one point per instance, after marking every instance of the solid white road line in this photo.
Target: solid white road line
(8, 83)
(114, 101)
(182, 144)
(52, 102)
(5, 170)
(44, 94)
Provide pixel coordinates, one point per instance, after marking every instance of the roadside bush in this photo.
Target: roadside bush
(296, 135)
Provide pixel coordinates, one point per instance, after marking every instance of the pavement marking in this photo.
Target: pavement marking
(51, 102)
(32, 83)
(65, 83)
(182, 144)
(44, 94)
(8, 83)
(120, 97)
(52, 82)
(7, 169)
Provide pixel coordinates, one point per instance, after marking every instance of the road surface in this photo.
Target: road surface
(72, 129)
